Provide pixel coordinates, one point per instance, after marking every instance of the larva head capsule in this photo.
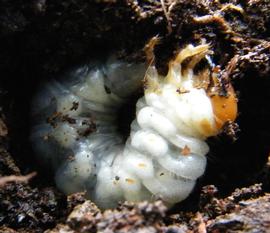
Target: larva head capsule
(224, 102)
(196, 105)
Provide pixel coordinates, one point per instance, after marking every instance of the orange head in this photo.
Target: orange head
(224, 105)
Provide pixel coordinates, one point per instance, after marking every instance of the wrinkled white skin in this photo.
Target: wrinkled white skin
(151, 163)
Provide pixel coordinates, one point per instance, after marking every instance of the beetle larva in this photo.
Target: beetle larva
(76, 130)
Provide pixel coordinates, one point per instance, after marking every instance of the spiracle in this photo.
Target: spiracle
(75, 128)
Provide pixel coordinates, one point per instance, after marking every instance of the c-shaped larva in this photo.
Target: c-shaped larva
(75, 129)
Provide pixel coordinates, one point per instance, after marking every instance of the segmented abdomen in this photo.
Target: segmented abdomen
(76, 131)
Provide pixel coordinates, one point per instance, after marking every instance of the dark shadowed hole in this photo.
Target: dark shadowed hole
(126, 114)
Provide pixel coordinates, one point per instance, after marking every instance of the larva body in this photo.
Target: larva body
(76, 131)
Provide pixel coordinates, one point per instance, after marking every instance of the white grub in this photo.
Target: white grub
(165, 152)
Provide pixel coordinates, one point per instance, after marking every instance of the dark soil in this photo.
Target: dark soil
(41, 39)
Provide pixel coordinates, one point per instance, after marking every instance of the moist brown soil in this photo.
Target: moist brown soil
(41, 39)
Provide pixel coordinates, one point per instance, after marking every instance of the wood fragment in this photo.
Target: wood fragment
(18, 179)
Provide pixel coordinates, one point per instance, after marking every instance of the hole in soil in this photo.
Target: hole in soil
(126, 115)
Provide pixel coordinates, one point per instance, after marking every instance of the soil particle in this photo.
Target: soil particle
(245, 209)
(142, 217)
(3, 128)
(7, 164)
(252, 216)
(234, 210)
(212, 206)
(29, 209)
